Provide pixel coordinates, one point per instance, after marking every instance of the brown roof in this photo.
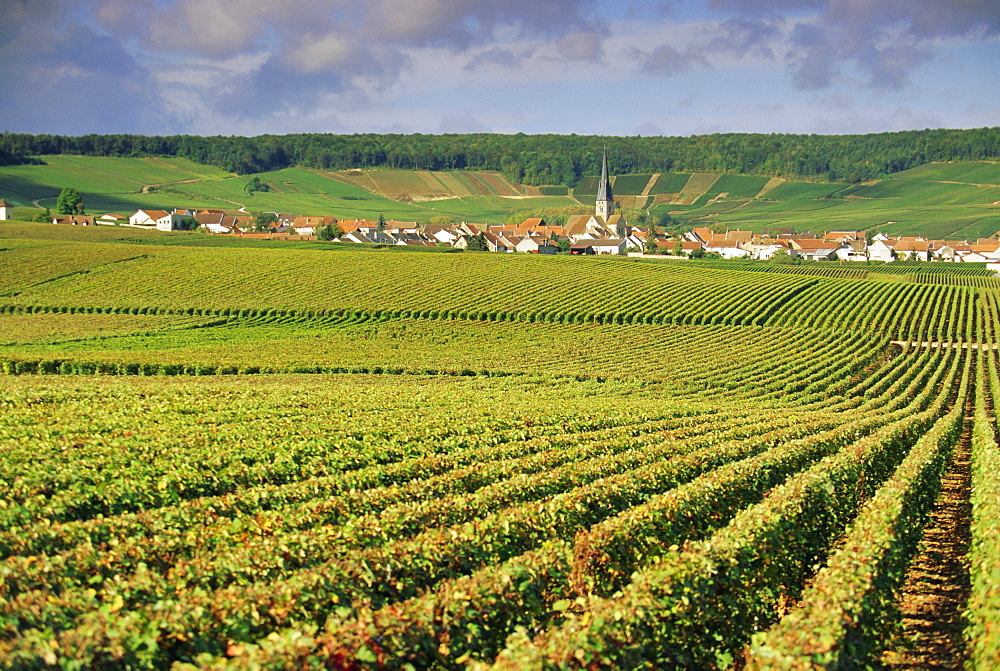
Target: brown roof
(986, 248)
(909, 245)
(530, 223)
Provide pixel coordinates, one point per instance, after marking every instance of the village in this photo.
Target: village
(591, 234)
(604, 232)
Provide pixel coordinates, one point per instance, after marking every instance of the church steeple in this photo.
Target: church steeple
(605, 206)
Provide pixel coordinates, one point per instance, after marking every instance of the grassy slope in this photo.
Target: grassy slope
(936, 200)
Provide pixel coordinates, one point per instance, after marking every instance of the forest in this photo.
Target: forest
(541, 159)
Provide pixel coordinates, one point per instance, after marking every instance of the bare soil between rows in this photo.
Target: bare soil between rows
(937, 586)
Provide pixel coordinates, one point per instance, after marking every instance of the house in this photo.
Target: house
(730, 245)
(687, 246)
(412, 242)
(161, 219)
(990, 249)
(843, 236)
(440, 233)
(911, 250)
(762, 249)
(112, 219)
(581, 226)
(974, 257)
(536, 245)
(529, 225)
(217, 221)
(146, 217)
(878, 250)
(815, 250)
(493, 242)
(358, 237)
(853, 250)
(603, 247)
(307, 225)
(6, 210)
(74, 219)
(701, 235)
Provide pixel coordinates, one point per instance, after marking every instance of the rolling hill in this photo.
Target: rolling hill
(936, 200)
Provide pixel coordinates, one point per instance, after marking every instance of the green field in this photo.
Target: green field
(169, 183)
(247, 457)
(630, 185)
(669, 183)
(738, 186)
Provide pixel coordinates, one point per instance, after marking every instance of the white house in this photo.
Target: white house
(763, 250)
(161, 219)
(727, 246)
(816, 250)
(974, 257)
(879, 251)
(609, 246)
(536, 245)
(853, 250)
(911, 250)
(6, 210)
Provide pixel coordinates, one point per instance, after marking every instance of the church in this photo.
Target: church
(604, 223)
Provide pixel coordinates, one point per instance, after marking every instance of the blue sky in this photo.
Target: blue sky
(642, 67)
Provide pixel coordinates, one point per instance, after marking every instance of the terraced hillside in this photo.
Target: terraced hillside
(295, 458)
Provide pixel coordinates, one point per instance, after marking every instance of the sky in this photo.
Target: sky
(591, 67)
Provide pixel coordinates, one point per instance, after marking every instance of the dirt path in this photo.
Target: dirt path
(937, 585)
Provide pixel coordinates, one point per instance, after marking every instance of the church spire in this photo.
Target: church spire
(605, 206)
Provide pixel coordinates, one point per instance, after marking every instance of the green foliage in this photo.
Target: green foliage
(69, 202)
(188, 224)
(328, 232)
(195, 476)
(545, 159)
(983, 630)
(255, 185)
(477, 243)
(263, 221)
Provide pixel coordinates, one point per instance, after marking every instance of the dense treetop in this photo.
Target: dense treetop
(542, 159)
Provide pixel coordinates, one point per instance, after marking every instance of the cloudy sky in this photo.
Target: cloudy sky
(626, 67)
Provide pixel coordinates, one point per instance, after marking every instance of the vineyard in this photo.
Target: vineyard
(268, 458)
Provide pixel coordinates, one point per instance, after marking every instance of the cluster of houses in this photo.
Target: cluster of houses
(603, 232)
(844, 246)
(599, 233)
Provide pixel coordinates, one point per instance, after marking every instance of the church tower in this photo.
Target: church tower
(605, 199)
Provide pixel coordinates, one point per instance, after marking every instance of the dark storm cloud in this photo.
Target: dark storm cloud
(747, 36)
(768, 7)
(324, 49)
(59, 73)
(464, 23)
(140, 52)
(667, 61)
(883, 39)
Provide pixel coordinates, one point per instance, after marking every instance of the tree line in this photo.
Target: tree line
(541, 159)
